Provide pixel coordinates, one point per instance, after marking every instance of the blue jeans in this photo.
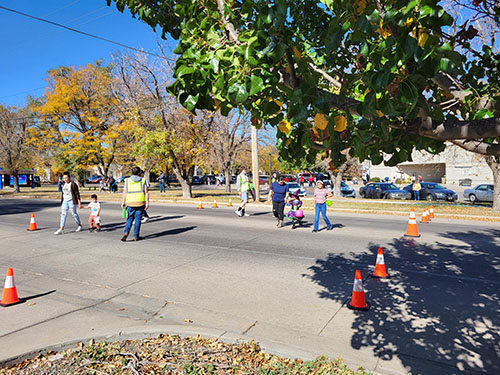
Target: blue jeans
(416, 194)
(162, 187)
(134, 214)
(320, 207)
(65, 207)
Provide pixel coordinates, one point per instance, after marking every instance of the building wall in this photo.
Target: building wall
(453, 164)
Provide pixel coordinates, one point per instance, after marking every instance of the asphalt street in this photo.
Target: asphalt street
(210, 272)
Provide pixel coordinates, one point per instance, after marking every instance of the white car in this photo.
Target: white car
(294, 187)
(481, 193)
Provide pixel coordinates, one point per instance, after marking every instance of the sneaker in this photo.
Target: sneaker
(124, 238)
(238, 213)
(246, 215)
(79, 229)
(59, 231)
(330, 227)
(315, 231)
(91, 230)
(144, 220)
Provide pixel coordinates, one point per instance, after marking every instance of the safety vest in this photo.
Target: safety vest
(243, 181)
(135, 192)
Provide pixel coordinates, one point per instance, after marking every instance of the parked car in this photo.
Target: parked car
(481, 193)
(345, 190)
(122, 179)
(383, 190)
(196, 180)
(432, 191)
(294, 187)
(94, 179)
(289, 178)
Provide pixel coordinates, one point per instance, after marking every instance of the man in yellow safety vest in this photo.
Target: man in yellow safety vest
(243, 186)
(136, 199)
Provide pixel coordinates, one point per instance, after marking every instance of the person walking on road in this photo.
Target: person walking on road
(70, 199)
(243, 186)
(59, 184)
(161, 180)
(416, 187)
(278, 193)
(320, 195)
(136, 199)
(301, 181)
(95, 214)
(311, 180)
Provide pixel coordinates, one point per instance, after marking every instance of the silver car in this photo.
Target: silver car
(481, 193)
(294, 187)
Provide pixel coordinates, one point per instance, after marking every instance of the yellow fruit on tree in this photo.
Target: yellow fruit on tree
(296, 52)
(285, 126)
(340, 123)
(321, 121)
(379, 113)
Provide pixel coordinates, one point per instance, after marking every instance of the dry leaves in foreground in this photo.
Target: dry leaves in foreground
(172, 355)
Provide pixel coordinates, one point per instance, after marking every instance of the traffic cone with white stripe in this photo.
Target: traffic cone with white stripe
(425, 216)
(9, 296)
(380, 271)
(230, 203)
(200, 205)
(215, 204)
(431, 212)
(32, 223)
(358, 301)
(412, 229)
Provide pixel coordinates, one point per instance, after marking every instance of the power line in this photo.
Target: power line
(84, 33)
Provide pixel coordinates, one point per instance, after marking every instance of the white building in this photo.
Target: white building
(450, 166)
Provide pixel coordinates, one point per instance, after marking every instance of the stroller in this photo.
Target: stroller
(296, 215)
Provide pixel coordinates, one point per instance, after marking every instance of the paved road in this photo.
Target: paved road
(244, 278)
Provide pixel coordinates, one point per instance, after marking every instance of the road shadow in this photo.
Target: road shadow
(438, 313)
(111, 227)
(168, 232)
(16, 206)
(260, 213)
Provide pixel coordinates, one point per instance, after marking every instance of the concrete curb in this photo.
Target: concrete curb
(141, 332)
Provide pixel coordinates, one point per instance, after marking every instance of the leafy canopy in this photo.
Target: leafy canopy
(332, 75)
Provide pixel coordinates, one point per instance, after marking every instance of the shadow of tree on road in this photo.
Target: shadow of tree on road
(439, 311)
(169, 232)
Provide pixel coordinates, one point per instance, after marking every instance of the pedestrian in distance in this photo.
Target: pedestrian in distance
(311, 180)
(274, 177)
(136, 199)
(278, 193)
(161, 180)
(320, 195)
(301, 181)
(416, 187)
(70, 200)
(243, 187)
(95, 214)
(59, 184)
(145, 215)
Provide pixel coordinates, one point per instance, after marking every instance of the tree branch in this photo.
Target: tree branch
(326, 76)
(477, 147)
(233, 35)
(467, 130)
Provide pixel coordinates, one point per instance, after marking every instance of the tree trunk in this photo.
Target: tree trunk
(186, 182)
(16, 182)
(227, 176)
(495, 168)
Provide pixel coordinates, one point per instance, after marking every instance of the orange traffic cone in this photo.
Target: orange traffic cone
(412, 230)
(32, 223)
(9, 296)
(425, 216)
(358, 301)
(215, 204)
(200, 205)
(230, 203)
(380, 265)
(431, 212)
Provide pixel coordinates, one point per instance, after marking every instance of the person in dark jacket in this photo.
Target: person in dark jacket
(70, 199)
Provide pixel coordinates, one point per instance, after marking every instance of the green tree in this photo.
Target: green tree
(374, 78)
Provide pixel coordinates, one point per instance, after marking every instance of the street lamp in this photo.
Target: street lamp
(269, 168)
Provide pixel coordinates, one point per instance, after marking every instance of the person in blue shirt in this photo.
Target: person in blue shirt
(278, 193)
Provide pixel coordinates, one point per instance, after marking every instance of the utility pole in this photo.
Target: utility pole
(255, 164)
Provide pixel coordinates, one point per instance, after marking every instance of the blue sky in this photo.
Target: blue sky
(30, 47)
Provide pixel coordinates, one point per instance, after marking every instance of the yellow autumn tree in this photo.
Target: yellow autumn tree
(77, 119)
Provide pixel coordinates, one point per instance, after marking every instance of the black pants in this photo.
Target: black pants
(278, 209)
